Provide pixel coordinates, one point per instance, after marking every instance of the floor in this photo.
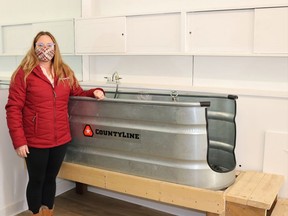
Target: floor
(91, 204)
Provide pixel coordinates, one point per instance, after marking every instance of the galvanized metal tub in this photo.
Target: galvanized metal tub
(181, 138)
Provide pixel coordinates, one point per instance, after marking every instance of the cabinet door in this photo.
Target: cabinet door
(63, 31)
(1, 41)
(100, 35)
(220, 32)
(271, 30)
(17, 39)
(154, 33)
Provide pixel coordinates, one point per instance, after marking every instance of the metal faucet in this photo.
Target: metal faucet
(115, 77)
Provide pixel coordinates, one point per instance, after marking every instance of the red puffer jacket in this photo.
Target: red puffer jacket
(37, 113)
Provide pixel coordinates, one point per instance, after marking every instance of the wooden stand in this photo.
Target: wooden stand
(253, 193)
(281, 208)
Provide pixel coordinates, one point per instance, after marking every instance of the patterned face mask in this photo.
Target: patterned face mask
(45, 53)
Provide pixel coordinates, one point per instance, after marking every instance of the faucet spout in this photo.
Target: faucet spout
(115, 77)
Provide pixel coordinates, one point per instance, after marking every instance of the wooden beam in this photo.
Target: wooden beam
(165, 192)
(213, 214)
(255, 189)
(235, 209)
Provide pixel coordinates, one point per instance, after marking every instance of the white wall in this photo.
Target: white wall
(120, 7)
(13, 175)
(254, 79)
(15, 11)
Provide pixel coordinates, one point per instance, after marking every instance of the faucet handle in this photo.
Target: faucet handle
(117, 79)
(108, 79)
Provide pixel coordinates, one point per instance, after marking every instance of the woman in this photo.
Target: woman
(37, 117)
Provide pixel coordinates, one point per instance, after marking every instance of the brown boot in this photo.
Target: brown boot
(31, 213)
(46, 211)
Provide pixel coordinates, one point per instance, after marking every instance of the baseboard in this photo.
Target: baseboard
(14, 208)
(20, 206)
(63, 185)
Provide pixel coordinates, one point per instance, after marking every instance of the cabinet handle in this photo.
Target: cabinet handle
(122, 34)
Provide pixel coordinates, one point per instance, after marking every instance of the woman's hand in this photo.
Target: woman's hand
(99, 95)
(22, 151)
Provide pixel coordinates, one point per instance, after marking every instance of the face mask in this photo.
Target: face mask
(44, 53)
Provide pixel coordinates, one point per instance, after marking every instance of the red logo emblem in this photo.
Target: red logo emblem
(88, 131)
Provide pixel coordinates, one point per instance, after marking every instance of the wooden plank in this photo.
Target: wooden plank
(180, 195)
(235, 209)
(266, 191)
(195, 198)
(82, 174)
(243, 187)
(213, 214)
(255, 189)
(281, 208)
(133, 185)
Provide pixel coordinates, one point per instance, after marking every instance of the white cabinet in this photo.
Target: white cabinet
(158, 33)
(17, 38)
(100, 35)
(217, 32)
(271, 30)
(1, 41)
(63, 31)
(7, 66)
(234, 32)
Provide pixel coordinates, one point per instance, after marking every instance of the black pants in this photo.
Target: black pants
(43, 166)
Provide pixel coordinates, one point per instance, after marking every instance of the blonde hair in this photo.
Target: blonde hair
(30, 61)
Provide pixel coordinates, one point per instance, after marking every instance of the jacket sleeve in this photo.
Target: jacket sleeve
(14, 106)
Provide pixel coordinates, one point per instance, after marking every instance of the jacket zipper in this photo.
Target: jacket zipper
(54, 105)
